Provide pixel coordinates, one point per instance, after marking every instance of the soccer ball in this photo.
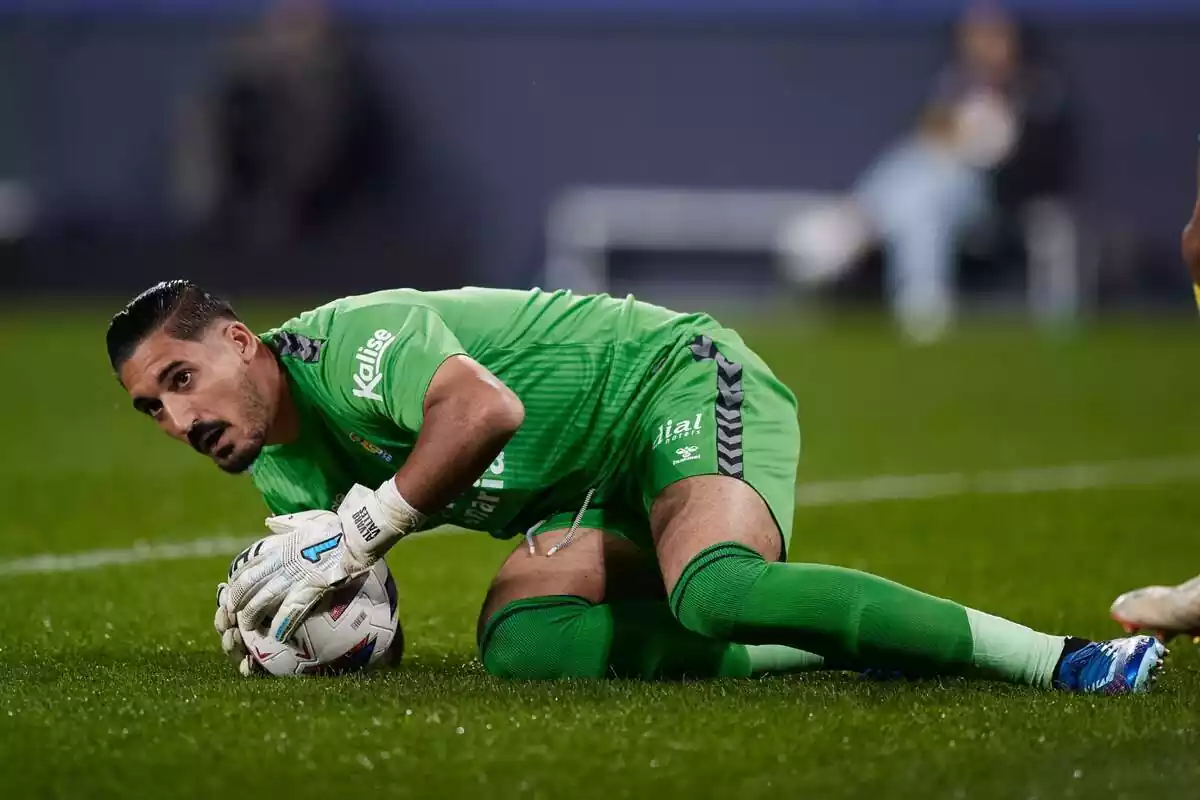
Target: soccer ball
(354, 627)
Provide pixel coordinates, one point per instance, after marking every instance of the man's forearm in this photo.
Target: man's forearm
(459, 439)
(468, 415)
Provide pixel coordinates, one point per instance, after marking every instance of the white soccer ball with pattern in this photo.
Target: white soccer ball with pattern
(353, 628)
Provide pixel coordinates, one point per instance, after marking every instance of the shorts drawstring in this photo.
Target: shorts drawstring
(570, 533)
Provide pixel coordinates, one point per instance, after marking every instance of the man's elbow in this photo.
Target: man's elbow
(467, 396)
(493, 412)
(504, 412)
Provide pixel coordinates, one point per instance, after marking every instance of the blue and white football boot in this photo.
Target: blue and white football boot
(1118, 666)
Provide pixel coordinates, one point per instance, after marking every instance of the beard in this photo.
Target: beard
(238, 457)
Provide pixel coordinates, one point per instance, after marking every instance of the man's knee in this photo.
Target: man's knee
(545, 638)
(709, 596)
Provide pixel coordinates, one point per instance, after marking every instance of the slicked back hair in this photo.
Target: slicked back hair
(179, 307)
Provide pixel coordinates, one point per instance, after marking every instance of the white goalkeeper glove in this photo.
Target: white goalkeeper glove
(231, 637)
(225, 620)
(318, 551)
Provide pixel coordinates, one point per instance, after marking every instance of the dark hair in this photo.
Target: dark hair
(179, 307)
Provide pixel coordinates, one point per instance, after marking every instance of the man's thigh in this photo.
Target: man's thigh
(600, 564)
(721, 465)
(696, 513)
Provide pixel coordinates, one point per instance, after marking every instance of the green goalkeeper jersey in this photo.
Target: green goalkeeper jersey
(584, 367)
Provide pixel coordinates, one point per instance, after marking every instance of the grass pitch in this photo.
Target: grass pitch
(112, 683)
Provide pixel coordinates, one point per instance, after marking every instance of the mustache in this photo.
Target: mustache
(198, 435)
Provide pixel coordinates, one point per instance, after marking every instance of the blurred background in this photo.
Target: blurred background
(934, 158)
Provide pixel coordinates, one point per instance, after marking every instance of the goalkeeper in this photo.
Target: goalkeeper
(618, 438)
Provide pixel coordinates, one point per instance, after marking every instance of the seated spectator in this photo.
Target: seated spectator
(994, 137)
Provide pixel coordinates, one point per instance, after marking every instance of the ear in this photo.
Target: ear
(244, 342)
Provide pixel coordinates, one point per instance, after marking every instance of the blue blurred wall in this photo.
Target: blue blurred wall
(679, 8)
(525, 107)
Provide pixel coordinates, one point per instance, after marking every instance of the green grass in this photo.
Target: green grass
(112, 683)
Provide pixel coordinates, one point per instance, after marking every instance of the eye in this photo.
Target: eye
(182, 379)
(154, 409)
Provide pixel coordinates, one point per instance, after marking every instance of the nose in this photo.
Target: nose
(178, 416)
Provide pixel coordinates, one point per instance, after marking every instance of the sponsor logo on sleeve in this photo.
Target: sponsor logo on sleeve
(368, 372)
(691, 453)
(672, 431)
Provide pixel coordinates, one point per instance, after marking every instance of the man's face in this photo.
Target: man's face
(202, 392)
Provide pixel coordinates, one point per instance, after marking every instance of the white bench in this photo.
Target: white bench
(584, 224)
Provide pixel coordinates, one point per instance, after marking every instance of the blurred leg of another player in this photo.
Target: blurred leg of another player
(1166, 611)
(1169, 610)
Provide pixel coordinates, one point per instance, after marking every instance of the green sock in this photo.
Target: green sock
(567, 637)
(853, 619)
(776, 659)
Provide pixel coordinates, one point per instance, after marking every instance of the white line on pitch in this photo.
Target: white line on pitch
(882, 488)
(139, 553)
(1029, 480)
(144, 552)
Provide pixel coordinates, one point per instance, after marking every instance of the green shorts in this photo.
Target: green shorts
(720, 411)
